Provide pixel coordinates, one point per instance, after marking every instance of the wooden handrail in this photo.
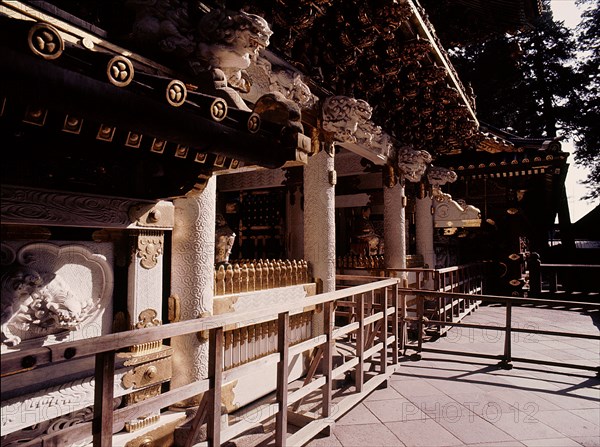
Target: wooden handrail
(15, 361)
(584, 266)
(106, 421)
(509, 302)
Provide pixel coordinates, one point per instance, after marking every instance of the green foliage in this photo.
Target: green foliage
(587, 121)
(542, 82)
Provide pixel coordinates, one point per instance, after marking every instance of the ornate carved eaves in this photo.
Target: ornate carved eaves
(412, 164)
(439, 176)
(230, 41)
(347, 120)
(41, 207)
(449, 213)
(267, 78)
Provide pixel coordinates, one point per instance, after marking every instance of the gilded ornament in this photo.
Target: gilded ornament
(150, 247)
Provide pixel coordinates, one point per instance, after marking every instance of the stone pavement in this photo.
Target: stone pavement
(448, 400)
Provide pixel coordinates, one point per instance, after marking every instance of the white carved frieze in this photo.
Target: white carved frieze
(348, 121)
(56, 401)
(40, 207)
(51, 292)
(413, 163)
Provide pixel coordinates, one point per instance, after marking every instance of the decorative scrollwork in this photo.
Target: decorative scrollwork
(218, 109)
(150, 247)
(176, 93)
(120, 71)
(45, 41)
(254, 123)
(147, 318)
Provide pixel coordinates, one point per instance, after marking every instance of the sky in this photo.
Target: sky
(567, 10)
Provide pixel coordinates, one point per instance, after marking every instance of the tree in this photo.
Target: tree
(586, 123)
(524, 82)
(542, 82)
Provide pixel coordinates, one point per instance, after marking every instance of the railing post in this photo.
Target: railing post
(103, 399)
(215, 371)
(552, 280)
(360, 343)
(398, 332)
(383, 333)
(506, 361)
(328, 358)
(420, 316)
(535, 275)
(283, 338)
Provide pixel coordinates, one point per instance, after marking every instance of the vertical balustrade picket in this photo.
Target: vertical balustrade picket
(283, 341)
(104, 377)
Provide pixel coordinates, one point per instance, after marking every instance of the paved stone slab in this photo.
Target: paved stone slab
(415, 388)
(397, 410)
(358, 415)
(423, 433)
(568, 423)
(366, 435)
(383, 394)
(554, 442)
(449, 401)
(592, 415)
(325, 441)
(470, 428)
(522, 426)
(588, 441)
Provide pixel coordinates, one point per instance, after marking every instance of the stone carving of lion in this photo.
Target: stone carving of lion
(40, 302)
(343, 115)
(17, 287)
(413, 163)
(439, 176)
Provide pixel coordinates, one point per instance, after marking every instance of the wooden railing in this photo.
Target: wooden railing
(373, 336)
(506, 358)
(467, 279)
(562, 278)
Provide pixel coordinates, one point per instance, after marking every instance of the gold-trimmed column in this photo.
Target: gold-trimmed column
(144, 306)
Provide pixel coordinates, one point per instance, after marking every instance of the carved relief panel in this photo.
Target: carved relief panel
(53, 292)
